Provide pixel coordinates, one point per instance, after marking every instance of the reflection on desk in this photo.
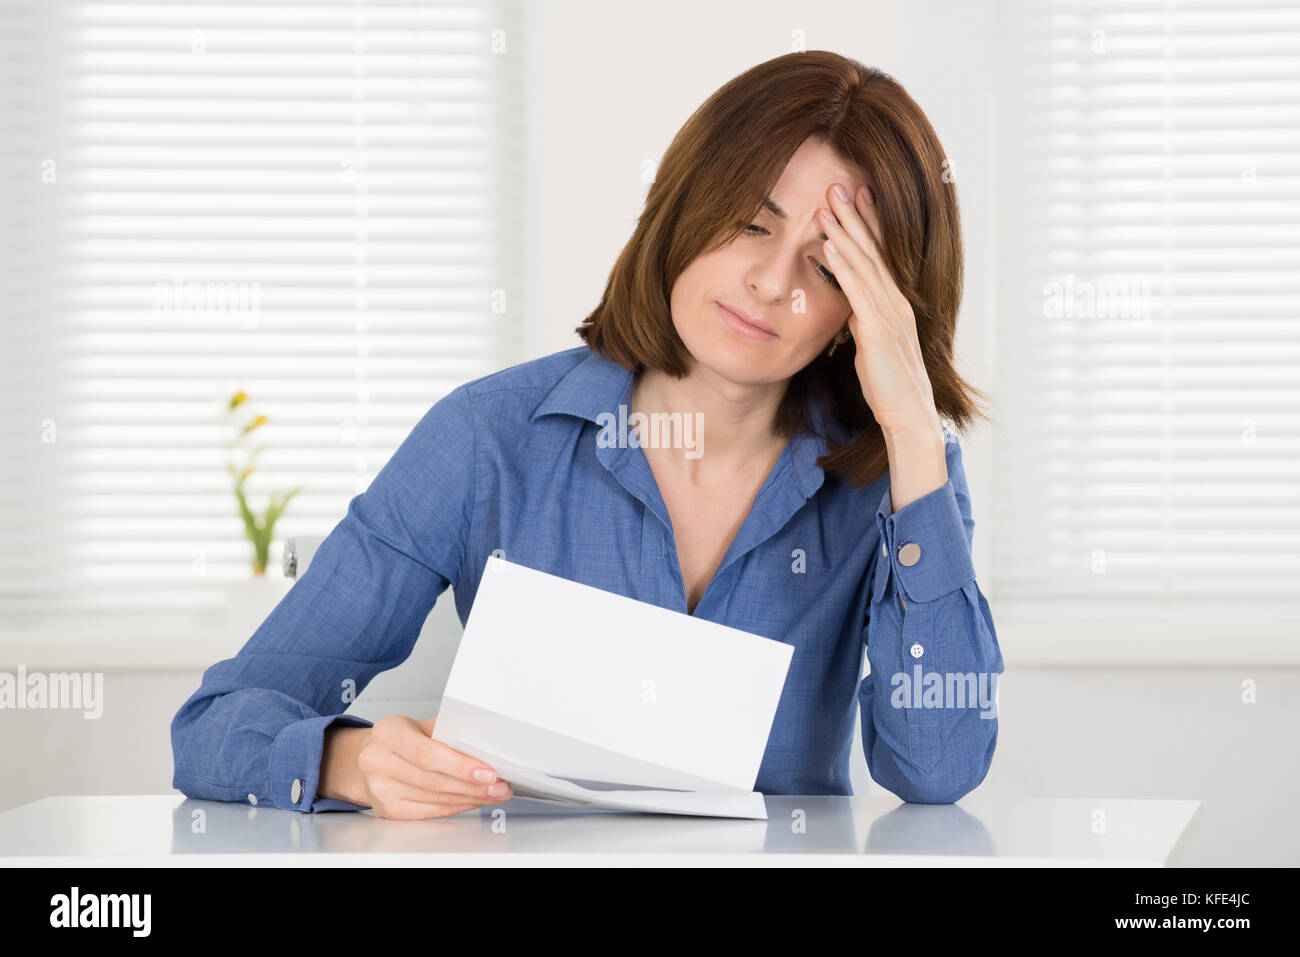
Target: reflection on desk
(874, 830)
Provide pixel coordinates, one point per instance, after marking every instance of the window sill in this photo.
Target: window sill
(118, 649)
(1026, 641)
(1053, 642)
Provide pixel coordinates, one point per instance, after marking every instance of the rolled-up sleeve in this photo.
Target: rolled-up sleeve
(929, 705)
(254, 730)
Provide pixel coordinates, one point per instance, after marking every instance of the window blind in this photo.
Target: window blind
(315, 203)
(1147, 448)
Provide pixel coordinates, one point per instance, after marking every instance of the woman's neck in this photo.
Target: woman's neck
(735, 422)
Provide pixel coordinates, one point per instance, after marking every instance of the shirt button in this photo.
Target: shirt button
(296, 792)
(910, 553)
(916, 650)
(252, 799)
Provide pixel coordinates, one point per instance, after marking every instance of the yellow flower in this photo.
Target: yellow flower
(238, 398)
(260, 420)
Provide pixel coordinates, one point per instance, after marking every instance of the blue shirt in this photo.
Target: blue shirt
(511, 462)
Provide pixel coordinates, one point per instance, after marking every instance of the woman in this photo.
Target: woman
(824, 504)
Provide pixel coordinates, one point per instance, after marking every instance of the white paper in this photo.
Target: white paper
(593, 699)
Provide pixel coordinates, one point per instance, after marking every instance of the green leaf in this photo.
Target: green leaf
(250, 520)
(277, 508)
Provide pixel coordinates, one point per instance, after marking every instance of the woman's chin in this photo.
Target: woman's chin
(741, 365)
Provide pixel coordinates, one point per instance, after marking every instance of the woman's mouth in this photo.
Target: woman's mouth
(748, 330)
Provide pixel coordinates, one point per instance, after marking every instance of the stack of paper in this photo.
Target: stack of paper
(586, 698)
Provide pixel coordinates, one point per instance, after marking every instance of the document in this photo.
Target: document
(586, 698)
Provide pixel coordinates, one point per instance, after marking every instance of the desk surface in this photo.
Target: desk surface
(824, 829)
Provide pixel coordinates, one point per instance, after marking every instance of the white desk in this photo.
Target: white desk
(837, 831)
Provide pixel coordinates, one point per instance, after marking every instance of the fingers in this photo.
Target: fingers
(401, 750)
(856, 277)
(400, 810)
(865, 259)
(857, 220)
(409, 776)
(398, 768)
(409, 739)
(871, 225)
(440, 757)
(864, 203)
(855, 226)
(393, 792)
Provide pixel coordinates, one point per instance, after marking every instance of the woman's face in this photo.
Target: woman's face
(775, 271)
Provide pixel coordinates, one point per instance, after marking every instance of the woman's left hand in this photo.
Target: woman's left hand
(888, 360)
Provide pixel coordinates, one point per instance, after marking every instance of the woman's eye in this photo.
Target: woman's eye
(826, 275)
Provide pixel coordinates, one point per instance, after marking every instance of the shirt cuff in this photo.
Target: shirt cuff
(925, 545)
(295, 764)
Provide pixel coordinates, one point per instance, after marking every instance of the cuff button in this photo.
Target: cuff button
(252, 798)
(295, 793)
(909, 554)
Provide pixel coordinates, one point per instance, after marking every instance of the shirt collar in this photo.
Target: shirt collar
(599, 385)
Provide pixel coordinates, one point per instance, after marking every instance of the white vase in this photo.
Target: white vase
(249, 602)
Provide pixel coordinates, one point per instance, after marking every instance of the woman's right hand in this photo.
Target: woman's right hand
(397, 769)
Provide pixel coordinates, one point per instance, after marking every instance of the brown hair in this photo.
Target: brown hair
(712, 181)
